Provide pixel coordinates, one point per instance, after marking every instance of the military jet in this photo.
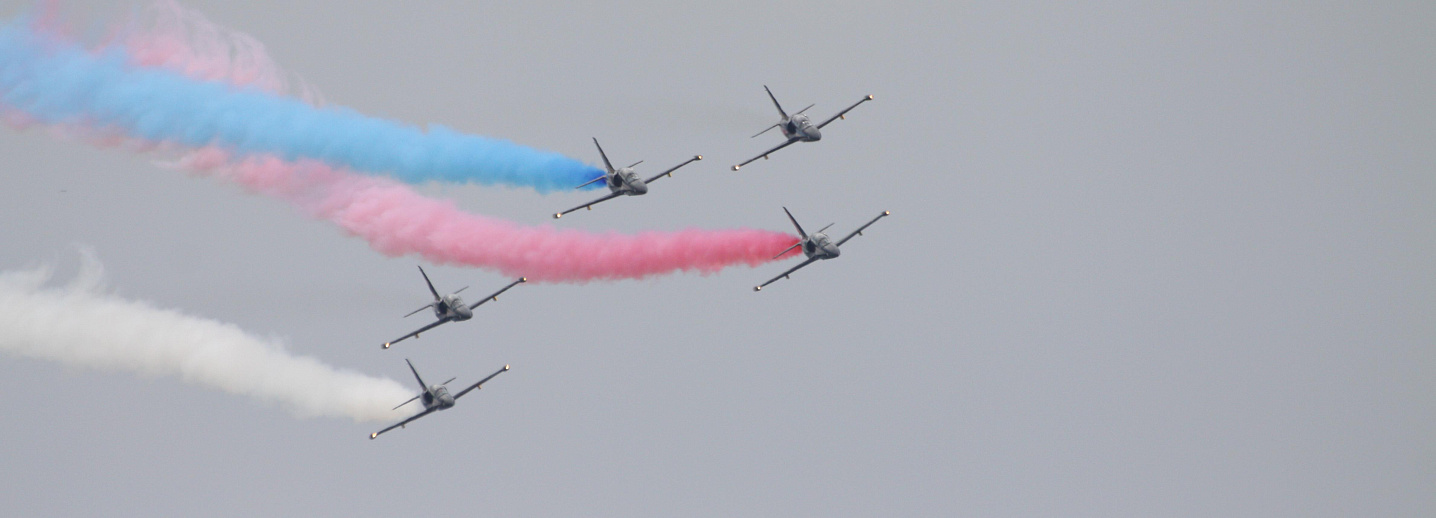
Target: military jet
(816, 246)
(622, 181)
(449, 308)
(797, 127)
(434, 397)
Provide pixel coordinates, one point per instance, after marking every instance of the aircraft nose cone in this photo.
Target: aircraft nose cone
(640, 188)
(833, 251)
(814, 135)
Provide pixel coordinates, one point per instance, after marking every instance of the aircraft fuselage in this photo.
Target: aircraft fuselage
(798, 126)
(627, 182)
(438, 396)
(452, 307)
(819, 246)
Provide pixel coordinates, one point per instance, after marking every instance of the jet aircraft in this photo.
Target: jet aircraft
(434, 397)
(797, 127)
(449, 308)
(622, 181)
(817, 246)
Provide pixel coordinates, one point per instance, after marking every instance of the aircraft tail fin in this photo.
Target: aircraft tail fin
(606, 163)
(795, 223)
(775, 102)
(422, 386)
(430, 284)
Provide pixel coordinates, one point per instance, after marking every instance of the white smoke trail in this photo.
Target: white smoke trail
(82, 325)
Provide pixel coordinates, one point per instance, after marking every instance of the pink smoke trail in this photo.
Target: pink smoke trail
(185, 41)
(397, 221)
(393, 218)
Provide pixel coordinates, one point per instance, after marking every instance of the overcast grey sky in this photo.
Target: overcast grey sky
(1145, 259)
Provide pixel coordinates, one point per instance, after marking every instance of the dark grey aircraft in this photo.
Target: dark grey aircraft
(623, 181)
(797, 127)
(816, 246)
(449, 308)
(434, 397)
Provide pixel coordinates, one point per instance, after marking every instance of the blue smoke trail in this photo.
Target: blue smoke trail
(58, 82)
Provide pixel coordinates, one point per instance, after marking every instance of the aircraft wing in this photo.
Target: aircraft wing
(426, 411)
(766, 153)
(495, 295)
(670, 170)
(590, 205)
(785, 274)
(859, 231)
(844, 112)
(415, 333)
(481, 382)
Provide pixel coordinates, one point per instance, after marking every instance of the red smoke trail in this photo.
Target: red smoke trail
(394, 219)
(397, 221)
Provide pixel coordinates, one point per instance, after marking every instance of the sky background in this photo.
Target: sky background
(1145, 259)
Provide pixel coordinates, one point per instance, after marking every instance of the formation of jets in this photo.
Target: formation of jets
(624, 181)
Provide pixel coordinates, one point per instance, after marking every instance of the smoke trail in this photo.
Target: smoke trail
(395, 221)
(81, 325)
(54, 81)
(185, 41)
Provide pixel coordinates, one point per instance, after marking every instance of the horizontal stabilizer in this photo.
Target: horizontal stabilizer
(590, 182)
(411, 400)
(795, 245)
(426, 306)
